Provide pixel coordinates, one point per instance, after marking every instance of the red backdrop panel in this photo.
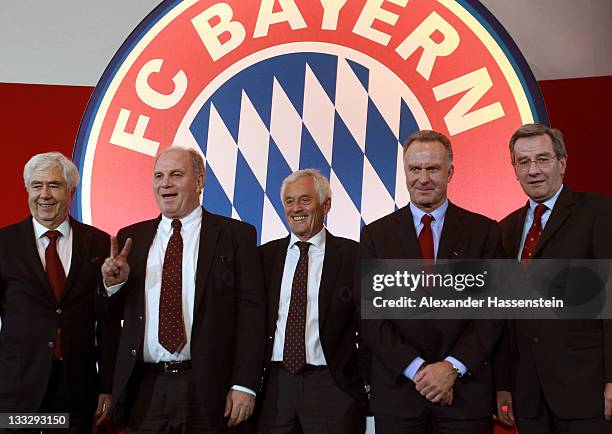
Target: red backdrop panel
(582, 111)
(35, 118)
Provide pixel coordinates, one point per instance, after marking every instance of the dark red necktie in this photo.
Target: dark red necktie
(531, 240)
(171, 333)
(426, 244)
(294, 351)
(57, 279)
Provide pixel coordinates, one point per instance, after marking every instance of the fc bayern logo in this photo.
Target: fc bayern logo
(263, 88)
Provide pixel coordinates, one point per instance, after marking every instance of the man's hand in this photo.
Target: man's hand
(104, 403)
(435, 380)
(447, 399)
(238, 406)
(504, 407)
(115, 269)
(608, 401)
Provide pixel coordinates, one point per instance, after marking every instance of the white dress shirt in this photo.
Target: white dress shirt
(153, 351)
(64, 243)
(316, 255)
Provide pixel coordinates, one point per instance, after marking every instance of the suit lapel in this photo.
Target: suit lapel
(28, 239)
(406, 235)
(276, 278)
(518, 231)
(81, 246)
(451, 233)
(558, 216)
(209, 233)
(331, 266)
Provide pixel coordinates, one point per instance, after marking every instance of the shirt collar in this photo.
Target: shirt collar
(40, 230)
(166, 223)
(317, 241)
(438, 213)
(550, 203)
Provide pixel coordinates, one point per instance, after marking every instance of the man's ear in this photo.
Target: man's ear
(200, 183)
(326, 206)
(563, 164)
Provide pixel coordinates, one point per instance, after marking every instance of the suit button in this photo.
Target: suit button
(536, 340)
(51, 344)
(133, 352)
(58, 311)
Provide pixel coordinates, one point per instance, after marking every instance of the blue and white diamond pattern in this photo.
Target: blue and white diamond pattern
(299, 110)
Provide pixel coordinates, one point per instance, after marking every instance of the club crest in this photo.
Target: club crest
(266, 87)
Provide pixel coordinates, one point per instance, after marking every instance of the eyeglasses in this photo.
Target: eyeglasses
(541, 162)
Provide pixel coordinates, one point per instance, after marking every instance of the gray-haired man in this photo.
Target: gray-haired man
(55, 325)
(312, 375)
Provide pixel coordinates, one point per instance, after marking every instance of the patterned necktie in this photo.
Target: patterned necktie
(426, 244)
(294, 351)
(171, 333)
(57, 279)
(531, 240)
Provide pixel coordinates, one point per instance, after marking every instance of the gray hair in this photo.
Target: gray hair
(47, 160)
(531, 130)
(321, 183)
(197, 162)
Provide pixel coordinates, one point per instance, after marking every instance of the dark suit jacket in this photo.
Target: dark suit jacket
(395, 343)
(227, 337)
(30, 316)
(569, 359)
(338, 307)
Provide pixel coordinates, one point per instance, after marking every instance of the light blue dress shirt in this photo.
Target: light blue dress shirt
(550, 204)
(436, 228)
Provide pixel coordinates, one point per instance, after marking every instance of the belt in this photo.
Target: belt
(168, 367)
(307, 367)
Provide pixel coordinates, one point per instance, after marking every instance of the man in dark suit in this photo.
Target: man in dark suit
(428, 373)
(312, 375)
(191, 350)
(55, 324)
(560, 371)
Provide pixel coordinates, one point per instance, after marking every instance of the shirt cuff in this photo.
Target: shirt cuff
(243, 389)
(462, 368)
(112, 290)
(413, 367)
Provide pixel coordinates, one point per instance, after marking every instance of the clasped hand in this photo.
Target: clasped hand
(435, 382)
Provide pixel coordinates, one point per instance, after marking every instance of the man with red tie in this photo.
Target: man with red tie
(57, 342)
(191, 350)
(313, 378)
(559, 372)
(431, 373)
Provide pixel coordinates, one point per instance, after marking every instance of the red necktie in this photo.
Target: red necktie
(426, 244)
(294, 351)
(531, 240)
(57, 279)
(171, 333)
